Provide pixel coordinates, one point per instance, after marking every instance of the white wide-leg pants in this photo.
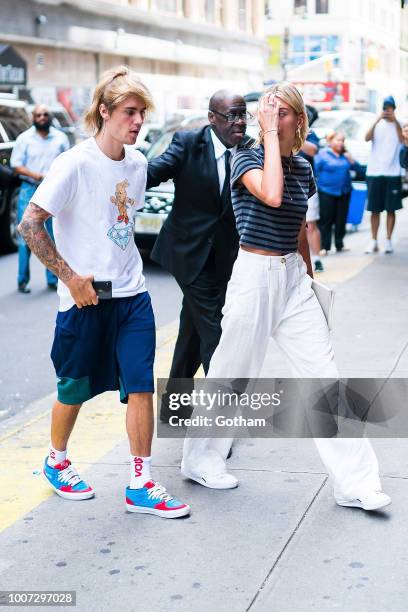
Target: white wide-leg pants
(272, 296)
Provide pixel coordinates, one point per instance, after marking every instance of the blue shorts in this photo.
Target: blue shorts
(106, 347)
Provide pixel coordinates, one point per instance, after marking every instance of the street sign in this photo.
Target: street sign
(13, 68)
(275, 50)
(324, 91)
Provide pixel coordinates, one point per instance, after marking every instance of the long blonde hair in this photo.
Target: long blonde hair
(115, 86)
(288, 93)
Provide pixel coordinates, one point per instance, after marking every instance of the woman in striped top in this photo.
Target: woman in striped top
(270, 294)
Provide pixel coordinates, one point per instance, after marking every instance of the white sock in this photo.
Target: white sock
(139, 471)
(55, 456)
(314, 258)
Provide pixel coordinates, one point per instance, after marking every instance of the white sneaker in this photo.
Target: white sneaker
(218, 481)
(373, 500)
(372, 247)
(388, 246)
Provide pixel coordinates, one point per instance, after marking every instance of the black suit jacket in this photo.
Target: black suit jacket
(198, 221)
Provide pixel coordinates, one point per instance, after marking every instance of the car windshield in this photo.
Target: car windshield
(14, 121)
(160, 145)
(354, 125)
(62, 119)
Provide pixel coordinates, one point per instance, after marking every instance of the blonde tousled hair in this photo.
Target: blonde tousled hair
(115, 86)
(288, 93)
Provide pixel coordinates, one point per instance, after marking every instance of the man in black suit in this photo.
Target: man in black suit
(198, 243)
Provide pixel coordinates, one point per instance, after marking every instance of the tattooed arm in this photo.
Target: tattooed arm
(36, 236)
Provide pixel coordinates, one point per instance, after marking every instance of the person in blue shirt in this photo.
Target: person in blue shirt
(33, 153)
(332, 168)
(403, 156)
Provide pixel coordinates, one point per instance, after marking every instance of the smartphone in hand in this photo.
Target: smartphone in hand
(103, 289)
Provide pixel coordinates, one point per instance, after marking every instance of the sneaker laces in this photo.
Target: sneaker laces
(158, 492)
(69, 475)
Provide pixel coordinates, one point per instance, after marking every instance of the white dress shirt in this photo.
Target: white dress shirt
(219, 150)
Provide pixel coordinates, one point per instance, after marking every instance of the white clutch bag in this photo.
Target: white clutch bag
(325, 297)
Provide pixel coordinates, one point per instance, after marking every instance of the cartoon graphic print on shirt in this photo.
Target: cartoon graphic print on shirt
(122, 232)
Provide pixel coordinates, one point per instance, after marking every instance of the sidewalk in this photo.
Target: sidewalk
(278, 543)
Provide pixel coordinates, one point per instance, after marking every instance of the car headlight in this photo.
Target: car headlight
(158, 203)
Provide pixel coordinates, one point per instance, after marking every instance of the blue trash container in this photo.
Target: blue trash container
(357, 203)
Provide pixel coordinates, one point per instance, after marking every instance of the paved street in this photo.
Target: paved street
(278, 543)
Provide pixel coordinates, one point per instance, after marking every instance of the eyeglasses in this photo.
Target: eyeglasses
(42, 115)
(234, 117)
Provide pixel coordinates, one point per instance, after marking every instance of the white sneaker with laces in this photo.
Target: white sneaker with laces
(374, 500)
(372, 247)
(388, 246)
(223, 480)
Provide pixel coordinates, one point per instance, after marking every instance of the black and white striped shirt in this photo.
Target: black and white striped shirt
(262, 226)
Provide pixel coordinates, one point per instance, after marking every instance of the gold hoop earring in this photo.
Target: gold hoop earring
(298, 132)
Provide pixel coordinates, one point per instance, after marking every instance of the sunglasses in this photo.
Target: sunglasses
(42, 115)
(234, 117)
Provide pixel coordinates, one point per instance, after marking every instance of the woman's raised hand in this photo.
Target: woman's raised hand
(268, 115)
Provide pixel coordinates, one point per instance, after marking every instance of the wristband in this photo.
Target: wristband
(267, 131)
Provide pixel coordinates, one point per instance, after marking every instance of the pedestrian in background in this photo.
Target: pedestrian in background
(33, 153)
(309, 149)
(332, 171)
(198, 242)
(384, 173)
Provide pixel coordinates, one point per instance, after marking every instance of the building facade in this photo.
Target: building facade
(183, 49)
(343, 53)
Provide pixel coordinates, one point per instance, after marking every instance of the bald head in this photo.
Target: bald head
(42, 118)
(223, 97)
(41, 108)
(227, 116)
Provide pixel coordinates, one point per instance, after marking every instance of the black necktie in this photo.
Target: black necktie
(226, 187)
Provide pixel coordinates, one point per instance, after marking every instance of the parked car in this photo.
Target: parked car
(159, 200)
(14, 119)
(354, 125)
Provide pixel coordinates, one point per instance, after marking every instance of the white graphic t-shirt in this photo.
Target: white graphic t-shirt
(93, 200)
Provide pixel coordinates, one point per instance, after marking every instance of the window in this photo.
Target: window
(243, 15)
(300, 7)
(372, 12)
(210, 10)
(14, 120)
(322, 6)
(307, 48)
(168, 6)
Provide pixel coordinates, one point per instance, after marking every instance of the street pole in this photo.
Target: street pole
(285, 53)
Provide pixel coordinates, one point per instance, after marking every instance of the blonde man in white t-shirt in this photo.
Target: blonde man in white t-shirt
(92, 193)
(384, 173)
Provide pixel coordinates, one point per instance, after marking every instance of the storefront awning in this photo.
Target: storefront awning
(13, 68)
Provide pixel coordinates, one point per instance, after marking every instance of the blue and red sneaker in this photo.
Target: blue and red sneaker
(154, 499)
(66, 482)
